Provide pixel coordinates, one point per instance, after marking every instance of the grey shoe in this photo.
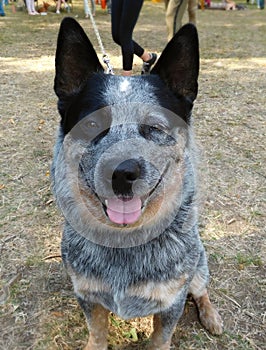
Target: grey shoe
(146, 67)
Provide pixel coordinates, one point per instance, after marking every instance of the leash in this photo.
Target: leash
(105, 57)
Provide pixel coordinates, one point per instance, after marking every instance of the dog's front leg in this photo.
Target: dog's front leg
(164, 325)
(158, 340)
(97, 319)
(208, 315)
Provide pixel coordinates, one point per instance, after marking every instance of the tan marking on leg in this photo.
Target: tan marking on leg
(157, 340)
(197, 286)
(98, 329)
(208, 315)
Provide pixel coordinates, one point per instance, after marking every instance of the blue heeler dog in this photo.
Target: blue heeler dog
(125, 180)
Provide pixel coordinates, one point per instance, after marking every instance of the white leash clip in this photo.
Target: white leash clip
(109, 69)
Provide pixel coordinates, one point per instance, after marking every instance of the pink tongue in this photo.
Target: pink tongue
(124, 211)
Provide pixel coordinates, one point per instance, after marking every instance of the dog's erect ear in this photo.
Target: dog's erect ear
(75, 59)
(178, 65)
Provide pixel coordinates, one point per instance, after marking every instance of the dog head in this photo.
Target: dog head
(125, 140)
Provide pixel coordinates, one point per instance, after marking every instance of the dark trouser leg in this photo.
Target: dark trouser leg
(124, 18)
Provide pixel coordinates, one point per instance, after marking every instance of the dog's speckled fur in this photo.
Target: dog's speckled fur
(149, 266)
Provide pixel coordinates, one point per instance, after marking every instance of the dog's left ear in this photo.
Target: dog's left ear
(75, 59)
(178, 65)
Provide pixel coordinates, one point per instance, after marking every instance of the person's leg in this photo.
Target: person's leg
(124, 18)
(170, 17)
(192, 10)
(33, 10)
(2, 12)
(116, 7)
(30, 7)
(128, 20)
(86, 8)
(174, 14)
(93, 7)
(166, 2)
(179, 15)
(117, 27)
(109, 3)
(58, 6)
(65, 4)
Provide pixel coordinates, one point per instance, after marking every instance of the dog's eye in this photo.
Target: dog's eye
(156, 134)
(92, 124)
(161, 127)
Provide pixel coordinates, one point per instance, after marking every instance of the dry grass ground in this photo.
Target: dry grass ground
(38, 310)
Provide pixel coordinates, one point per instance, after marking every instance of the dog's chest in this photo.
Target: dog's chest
(138, 300)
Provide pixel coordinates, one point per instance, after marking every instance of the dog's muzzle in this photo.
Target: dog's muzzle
(125, 208)
(127, 205)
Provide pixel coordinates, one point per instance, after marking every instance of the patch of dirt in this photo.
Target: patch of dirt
(38, 310)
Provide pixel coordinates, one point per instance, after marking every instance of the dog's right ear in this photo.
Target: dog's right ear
(75, 59)
(178, 65)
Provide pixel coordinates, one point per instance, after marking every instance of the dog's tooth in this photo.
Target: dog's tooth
(106, 202)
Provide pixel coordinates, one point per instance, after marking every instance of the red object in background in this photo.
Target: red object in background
(103, 4)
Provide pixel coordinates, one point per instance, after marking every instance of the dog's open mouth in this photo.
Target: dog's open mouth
(124, 210)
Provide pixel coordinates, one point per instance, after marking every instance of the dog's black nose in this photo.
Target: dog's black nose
(124, 176)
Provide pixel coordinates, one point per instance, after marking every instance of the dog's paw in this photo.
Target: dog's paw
(211, 320)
